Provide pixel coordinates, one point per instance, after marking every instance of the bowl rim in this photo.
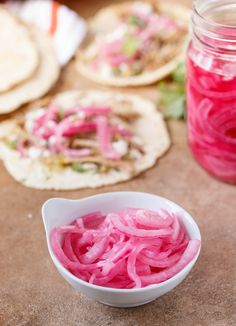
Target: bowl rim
(59, 265)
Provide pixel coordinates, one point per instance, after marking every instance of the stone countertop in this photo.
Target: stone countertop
(33, 293)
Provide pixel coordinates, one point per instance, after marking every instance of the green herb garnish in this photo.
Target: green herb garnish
(172, 94)
(98, 168)
(78, 167)
(116, 71)
(135, 20)
(130, 45)
(60, 115)
(12, 144)
(179, 74)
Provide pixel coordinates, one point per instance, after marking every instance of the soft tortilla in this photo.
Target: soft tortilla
(32, 173)
(44, 77)
(18, 54)
(109, 16)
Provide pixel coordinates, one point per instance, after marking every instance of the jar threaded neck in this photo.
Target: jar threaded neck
(212, 25)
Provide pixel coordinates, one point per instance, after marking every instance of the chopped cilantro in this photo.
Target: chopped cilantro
(60, 115)
(179, 74)
(116, 71)
(135, 20)
(98, 168)
(172, 94)
(12, 144)
(78, 167)
(130, 45)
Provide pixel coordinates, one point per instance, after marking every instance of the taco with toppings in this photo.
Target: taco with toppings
(134, 43)
(83, 139)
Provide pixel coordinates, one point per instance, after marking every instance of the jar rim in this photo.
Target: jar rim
(214, 36)
(209, 22)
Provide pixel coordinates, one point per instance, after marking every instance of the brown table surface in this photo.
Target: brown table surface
(33, 293)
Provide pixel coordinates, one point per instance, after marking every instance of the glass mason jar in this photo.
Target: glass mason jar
(211, 87)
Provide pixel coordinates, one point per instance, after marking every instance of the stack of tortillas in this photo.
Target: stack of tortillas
(28, 65)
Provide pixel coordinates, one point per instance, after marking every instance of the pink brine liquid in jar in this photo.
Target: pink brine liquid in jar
(211, 87)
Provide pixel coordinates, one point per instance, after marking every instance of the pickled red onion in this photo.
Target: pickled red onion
(120, 250)
(211, 115)
(53, 128)
(189, 253)
(104, 139)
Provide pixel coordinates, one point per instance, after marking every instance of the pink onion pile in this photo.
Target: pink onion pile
(129, 249)
(54, 127)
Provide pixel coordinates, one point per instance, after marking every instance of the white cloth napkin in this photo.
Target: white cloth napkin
(65, 26)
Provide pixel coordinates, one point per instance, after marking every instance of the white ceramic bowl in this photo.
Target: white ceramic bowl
(57, 212)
